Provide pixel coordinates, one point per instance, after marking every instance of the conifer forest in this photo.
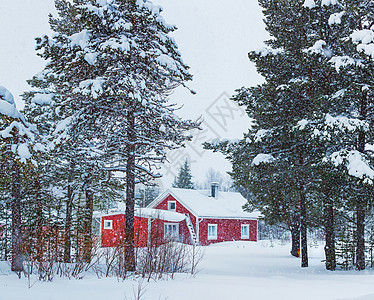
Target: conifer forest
(100, 121)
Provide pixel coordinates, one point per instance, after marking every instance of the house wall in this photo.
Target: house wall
(227, 230)
(158, 231)
(116, 236)
(183, 229)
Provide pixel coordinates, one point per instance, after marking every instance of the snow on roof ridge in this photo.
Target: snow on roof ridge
(225, 205)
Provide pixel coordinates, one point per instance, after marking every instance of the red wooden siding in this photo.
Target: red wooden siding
(179, 208)
(115, 236)
(227, 230)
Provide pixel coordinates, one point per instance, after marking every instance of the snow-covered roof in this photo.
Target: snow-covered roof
(201, 204)
(165, 215)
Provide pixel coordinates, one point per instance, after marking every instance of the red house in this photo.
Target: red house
(211, 216)
(148, 224)
(190, 216)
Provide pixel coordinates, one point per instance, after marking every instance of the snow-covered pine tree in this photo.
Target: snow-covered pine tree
(184, 178)
(16, 141)
(278, 160)
(5, 209)
(112, 71)
(343, 127)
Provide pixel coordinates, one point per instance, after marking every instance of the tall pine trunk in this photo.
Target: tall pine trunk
(329, 234)
(303, 230)
(295, 234)
(130, 196)
(87, 249)
(360, 248)
(39, 222)
(17, 264)
(68, 217)
(360, 212)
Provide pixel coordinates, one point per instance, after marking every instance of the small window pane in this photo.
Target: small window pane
(108, 224)
(212, 231)
(245, 231)
(171, 205)
(171, 230)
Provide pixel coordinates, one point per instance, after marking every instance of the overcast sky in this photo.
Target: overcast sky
(214, 37)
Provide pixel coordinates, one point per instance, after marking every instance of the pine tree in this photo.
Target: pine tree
(112, 71)
(16, 139)
(184, 178)
(343, 125)
(279, 160)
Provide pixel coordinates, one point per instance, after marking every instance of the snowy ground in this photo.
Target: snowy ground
(235, 270)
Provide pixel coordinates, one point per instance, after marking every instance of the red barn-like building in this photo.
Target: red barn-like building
(211, 216)
(190, 216)
(148, 224)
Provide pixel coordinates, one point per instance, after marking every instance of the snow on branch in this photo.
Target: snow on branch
(336, 18)
(93, 87)
(262, 158)
(309, 4)
(365, 41)
(9, 110)
(268, 51)
(344, 123)
(6, 96)
(22, 129)
(355, 163)
(42, 99)
(329, 2)
(320, 47)
(342, 61)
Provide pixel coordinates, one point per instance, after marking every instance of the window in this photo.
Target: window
(171, 205)
(108, 224)
(212, 231)
(245, 231)
(171, 230)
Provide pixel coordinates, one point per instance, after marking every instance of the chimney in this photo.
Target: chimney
(214, 189)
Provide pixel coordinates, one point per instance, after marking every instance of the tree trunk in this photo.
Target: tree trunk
(69, 209)
(295, 234)
(87, 249)
(329, 235)
(303, 231)
(17, 264)
(360, 213)
(39, 223)
(360, 249)
(130, 199)
(6, 253)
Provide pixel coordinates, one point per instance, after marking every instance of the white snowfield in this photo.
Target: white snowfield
(229, 271)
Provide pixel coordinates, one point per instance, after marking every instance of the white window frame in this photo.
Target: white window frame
(108, 224)
(169, 205)
(210, 236)
(171, 234)
(244, 236)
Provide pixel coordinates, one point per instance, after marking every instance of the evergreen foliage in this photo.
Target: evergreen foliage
(184, 178)
(110, 67)
(309, 148)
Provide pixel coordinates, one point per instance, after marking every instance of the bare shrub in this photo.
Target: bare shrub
(46, 265)
(166, 258)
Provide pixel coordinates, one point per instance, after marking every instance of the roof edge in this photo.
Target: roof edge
(162, 197)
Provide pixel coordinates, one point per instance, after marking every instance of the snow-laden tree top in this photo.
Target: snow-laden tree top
(14, 130)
